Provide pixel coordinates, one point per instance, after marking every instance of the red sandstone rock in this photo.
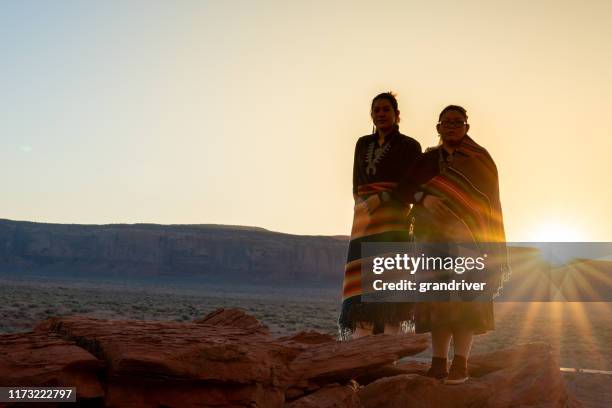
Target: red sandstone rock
(228, 360)
(172, 350)
(151, 364)
(414, 390)
(342, 361)
(335, 396)
(409, 367)
(171, 394)
(223, 353)
(45, 359)
(309, 338)
(234, 318)
(526, 376)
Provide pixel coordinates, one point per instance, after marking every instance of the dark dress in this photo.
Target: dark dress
(376, 169)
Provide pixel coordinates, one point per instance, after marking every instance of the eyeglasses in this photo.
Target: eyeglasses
(452, 123)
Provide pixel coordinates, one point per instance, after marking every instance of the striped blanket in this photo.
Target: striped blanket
(386, 224)
(389, 223)
(470, 187)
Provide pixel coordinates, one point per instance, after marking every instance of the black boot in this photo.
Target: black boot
(458, 372)
(438, 368)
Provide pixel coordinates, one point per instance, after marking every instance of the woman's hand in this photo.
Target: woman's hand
(435, 205)
(372, 203)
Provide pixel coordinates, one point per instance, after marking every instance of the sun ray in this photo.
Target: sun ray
(528, 327)
(580, 319)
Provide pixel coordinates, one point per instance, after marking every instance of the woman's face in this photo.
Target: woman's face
(452, 127)
(383, 115)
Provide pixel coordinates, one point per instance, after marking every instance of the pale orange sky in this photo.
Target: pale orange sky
(247, 112)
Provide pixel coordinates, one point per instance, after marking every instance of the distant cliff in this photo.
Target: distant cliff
(246, 255)
(209, 252)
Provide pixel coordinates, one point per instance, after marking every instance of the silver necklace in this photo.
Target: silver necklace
(373, 157)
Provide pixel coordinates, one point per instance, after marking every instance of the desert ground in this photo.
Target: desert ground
(581, 334)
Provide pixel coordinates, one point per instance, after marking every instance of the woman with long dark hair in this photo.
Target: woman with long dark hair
(380, 161)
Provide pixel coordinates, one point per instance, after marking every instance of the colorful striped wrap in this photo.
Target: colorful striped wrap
(389, 223)
(386, 222)
(470, 187)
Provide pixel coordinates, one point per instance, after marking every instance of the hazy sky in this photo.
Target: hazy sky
(247, 112)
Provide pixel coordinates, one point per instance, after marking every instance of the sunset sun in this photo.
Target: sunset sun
(555, 231)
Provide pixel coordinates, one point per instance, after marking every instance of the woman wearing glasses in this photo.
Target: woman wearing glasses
(380, 159)
(461, 204)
